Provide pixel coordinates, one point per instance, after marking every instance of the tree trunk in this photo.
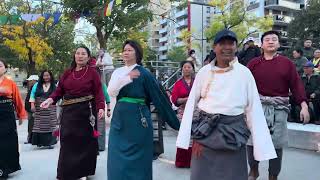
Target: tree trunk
(31, 64)
(100, 37)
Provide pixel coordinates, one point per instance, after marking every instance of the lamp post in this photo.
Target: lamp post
(201, 35)
(202, 27)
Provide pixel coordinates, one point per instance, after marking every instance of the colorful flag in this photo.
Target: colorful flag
(14, 19)
(3, 20)
(108, 9)
(118, 2)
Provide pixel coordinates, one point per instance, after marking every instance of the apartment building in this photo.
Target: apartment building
(282, 12)
(195, 16)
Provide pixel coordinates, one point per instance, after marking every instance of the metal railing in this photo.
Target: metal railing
(169, 83)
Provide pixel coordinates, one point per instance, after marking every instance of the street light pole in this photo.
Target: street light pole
(202, 36)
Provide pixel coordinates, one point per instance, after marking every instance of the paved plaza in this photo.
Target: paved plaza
(40, 164)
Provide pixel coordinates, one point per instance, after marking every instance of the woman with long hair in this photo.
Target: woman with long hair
(83, 104)
(45, 120)
(10, 101)
(130, 149)
(179, 97)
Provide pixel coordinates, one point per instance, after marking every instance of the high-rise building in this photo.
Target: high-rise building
(282, 12)
(195, 17)
(158, 7)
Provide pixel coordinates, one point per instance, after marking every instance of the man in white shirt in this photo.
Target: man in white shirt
(223, 94)
(105, 64)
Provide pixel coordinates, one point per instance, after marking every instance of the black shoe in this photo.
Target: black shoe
(26, 142)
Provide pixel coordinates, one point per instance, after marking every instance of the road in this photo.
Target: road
(40, 164)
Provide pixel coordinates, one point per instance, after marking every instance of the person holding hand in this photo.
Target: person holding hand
(130, 148)
(83, 104)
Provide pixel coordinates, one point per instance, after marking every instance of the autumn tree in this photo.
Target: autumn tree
(41, 43)
(24, 41)
(22, 37)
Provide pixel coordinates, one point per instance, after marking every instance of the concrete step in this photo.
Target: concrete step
(304, 136)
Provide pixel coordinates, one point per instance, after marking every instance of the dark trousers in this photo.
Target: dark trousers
(316, 108)
(30, 126)
(274, 164)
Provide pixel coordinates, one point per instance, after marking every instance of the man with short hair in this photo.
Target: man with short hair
(249, 52)
(223, 94)
(275, 76)
(299, 60)
(308, 49)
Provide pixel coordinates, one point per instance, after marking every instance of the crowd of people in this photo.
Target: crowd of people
(230, 112)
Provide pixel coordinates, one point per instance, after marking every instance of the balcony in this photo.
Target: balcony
(253, 6)
(182, 13)
(163, 48)
(163, 57)
(163, 21)
(182, 24)
(178, 44)
(163, 39)
(163, 31)
(282, 20)
(282, 5)
(178, 34)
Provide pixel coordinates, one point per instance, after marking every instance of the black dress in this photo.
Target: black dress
(9, 150)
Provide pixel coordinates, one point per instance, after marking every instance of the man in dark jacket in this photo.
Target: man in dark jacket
(30, 82)
(299, 60)
(249, 52)
(311, 83)
(308, 49)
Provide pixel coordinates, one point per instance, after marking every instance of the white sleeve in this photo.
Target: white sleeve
(117, 82)
(183, 139)
(256, 122)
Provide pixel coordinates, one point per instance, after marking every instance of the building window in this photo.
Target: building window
(208, 19)
(208, 10)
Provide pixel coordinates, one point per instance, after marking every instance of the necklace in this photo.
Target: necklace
(46, 87)
(74, 76)
(216, 71)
